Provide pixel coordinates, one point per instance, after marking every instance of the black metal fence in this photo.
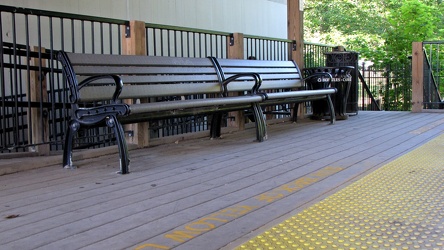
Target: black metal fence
(35, 109)
(35, 106)
(34, 102)
(314, 54)
(164, 40)
(433, 75)
(385, 87)
(266, 48)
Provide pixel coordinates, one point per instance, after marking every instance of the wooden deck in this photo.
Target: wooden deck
(200, 193)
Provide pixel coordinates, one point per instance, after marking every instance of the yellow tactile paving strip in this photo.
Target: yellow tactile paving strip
(399, 206)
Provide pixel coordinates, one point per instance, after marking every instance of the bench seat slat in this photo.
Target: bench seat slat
(282, 84)
(232, 71)
(225, 63)
(193, 103)
(91, 70)
(266, 77)
(95, 93)
(300, 93)
(128, 80)
(131, 60)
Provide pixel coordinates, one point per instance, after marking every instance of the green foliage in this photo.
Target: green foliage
(412, 22)
(382, 31)
(374, 28)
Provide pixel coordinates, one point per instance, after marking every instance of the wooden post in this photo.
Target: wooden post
(417, 77)
(236, 46)
(38, 130)
(236, 51)
(295, 15)
(295, 29)
(134, 43)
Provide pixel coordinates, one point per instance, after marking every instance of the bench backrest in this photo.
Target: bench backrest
(143, 76)
(275, 74)
(152, 76)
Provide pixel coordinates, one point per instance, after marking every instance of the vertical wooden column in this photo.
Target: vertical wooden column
(236, 51)
(417, 77)
(38, 120)
(295, 29)
(236, 46)
(134, 43)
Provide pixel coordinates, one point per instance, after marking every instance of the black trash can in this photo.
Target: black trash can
(347, 58)
(341, 80)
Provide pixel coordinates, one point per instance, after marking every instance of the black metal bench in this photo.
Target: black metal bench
(190, 86)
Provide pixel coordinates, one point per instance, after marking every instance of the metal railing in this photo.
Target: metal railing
(267, 48)
(165, 40)
(34, 103)
(314, 54)
(386, 87)
(35, 106)
(433, 75)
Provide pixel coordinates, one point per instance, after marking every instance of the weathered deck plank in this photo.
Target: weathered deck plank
(189, 186)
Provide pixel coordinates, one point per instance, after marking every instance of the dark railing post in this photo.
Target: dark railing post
(362, 88)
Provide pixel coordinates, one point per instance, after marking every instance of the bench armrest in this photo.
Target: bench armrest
(257, 82)
(117, 80)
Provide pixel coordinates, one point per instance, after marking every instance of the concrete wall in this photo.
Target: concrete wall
(254, 17)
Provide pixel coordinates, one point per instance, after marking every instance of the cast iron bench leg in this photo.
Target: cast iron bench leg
(215, 129)
(111, 121)
(73, 126)
(261, 125)
(295, 112)
(332, 110)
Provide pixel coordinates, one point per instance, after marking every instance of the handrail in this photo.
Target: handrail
(178, 28)
(433, 42)
(319, 44)
(37, 12)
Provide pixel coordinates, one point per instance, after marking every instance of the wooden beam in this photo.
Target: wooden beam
(134, 40)
(236, 46)
(134, 43)
(235, 50)
(38, 119)
(417, 77)
(295, 27)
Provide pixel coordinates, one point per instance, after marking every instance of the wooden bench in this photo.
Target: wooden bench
(98, 84)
